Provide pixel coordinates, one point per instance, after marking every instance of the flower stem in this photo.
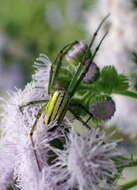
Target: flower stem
(129, 94)
(10, 188)
(129, 185)
(132, 162)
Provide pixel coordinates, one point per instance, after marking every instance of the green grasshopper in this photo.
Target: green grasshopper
(60, 96)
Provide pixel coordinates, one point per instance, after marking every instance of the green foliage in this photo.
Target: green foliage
(10, 188)
(112, 82)
(134, 3)
(108, 79)
(109, 82)
(134, 57)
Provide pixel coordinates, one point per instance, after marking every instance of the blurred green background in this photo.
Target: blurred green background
(29, 27)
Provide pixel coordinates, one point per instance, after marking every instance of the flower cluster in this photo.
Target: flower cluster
(83, 161)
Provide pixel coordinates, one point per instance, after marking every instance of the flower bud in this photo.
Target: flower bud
(103, 109)
(75, 55)
(93, 72)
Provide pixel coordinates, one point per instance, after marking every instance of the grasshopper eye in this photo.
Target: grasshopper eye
(93, 72)
(103, 109)
(74, 56)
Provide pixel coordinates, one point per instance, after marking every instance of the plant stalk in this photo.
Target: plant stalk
(129, 185)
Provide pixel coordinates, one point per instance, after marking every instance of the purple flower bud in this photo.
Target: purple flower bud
(103, 109)
(81, 46)
(92, 73)
(77, 51)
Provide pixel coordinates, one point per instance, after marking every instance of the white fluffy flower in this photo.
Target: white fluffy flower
(27, 171)
(17, 154)
(87, 161)
(7, 158)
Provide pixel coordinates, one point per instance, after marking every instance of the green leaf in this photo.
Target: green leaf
(122, 83)
(111, 82)
(108, 79)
